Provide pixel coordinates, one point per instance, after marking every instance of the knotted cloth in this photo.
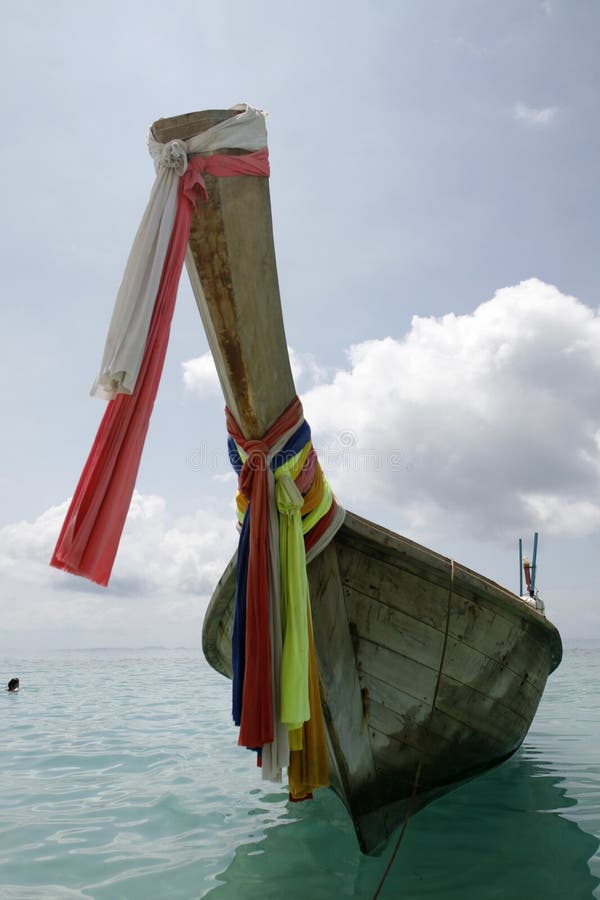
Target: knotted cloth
(282, 497)
(138, 336)
(286, 510)
(130, 323)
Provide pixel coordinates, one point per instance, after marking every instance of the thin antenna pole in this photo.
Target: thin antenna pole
(520, 567)
(535, 545)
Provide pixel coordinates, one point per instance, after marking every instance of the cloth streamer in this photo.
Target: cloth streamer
(286, 509)
(280, 481)
(130, 322)
(89, 539)
(308, 768)
(255, 717)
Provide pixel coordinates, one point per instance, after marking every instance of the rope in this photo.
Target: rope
(413, 795)
(409, 810)
(445, 644)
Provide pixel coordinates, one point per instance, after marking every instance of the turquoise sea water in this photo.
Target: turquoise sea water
(120, 778)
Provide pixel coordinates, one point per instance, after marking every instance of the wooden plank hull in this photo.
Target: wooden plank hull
(414, 670)
(418, 666)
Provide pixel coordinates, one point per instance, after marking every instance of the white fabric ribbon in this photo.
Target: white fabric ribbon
(173, 156)
(130, 322)
(276, 756)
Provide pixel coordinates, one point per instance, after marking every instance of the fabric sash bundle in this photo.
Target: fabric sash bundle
(286, 510)
(287, 514)
(138, 336)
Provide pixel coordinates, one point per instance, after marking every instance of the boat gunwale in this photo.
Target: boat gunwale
(483, 588)
(466, 581)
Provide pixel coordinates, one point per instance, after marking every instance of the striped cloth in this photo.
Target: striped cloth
(286, 509)
(90, 536)
(287, 513)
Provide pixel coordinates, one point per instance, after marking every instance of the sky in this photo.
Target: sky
(435, 192)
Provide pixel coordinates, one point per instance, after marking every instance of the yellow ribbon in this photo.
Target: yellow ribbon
(295, 609)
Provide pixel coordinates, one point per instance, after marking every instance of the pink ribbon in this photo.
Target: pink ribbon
(90, 535)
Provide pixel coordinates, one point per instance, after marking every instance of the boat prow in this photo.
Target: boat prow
(429, 673)
(424, 664)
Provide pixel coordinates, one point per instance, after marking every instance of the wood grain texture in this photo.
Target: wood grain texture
(403, 682)
(343, 704)
(232, 269)
(379, 610)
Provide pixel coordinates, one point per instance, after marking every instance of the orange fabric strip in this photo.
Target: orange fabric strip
(309, 767)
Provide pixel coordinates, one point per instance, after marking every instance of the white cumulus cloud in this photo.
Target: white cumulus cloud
(164, 575)
(306, 370)
(200, 373)
(534, 115)
(157, 551)
(482, 423)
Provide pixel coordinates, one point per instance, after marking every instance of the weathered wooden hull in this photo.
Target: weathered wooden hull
(417, 666)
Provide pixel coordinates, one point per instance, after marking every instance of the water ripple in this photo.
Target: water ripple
(121, 778)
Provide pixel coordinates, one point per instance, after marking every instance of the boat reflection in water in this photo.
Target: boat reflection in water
(503, 835)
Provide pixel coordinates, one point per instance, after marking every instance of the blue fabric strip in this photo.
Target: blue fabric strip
(238, 640)
(293, 446)
(234, 456)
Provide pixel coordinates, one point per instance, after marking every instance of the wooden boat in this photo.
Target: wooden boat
(425, 665)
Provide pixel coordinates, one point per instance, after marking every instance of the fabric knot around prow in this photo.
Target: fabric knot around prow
(174, 156)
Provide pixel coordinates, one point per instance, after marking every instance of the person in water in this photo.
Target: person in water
(13, 684)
